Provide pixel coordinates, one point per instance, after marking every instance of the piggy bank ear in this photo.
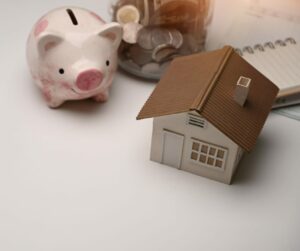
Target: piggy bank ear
(113, 32)
(48, 41)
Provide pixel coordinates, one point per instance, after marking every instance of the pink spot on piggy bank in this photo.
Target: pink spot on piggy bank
(47, 94)
(66, 85)
(97, 17)
(75, 59)
(40, 27)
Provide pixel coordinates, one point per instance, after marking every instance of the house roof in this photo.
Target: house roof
(206, 83)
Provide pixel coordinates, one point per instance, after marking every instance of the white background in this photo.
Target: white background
(79, 178)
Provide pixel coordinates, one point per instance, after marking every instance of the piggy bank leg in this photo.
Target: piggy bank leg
(55, 103)
(52, 101)
(102, 97)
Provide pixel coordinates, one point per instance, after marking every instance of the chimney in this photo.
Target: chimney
(242, 90)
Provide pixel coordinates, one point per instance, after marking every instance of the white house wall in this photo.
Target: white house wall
(239, 156)
(178, 124)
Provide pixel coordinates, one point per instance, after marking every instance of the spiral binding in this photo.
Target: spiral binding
(267, 45)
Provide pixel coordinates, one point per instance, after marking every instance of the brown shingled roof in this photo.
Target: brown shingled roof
(205, 83)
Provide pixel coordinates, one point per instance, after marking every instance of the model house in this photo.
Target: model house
(208, 110)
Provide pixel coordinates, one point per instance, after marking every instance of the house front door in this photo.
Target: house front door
(172, 149)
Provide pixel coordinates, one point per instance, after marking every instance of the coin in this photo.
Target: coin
(128, 14)
(139, 55)
(163, 52)
(177, 38)
(131, 32)
(160, 36)
(165, 66)
(130, 64)
(145, 38)
(151, 68)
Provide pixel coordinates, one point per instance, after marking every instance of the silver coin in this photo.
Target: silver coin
(151, 68)
(130, 33)
(161, 36)
(144, 38)
(163, 52)
(139, 55)
(177, 38)
(164, 67)
(130, 64)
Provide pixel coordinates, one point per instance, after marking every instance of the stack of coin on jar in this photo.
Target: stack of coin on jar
(157, 31)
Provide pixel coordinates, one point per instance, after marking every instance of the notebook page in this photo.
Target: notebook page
(288, 65)
(285, 10)
(259, 61)
(279, 63)
(241, 22)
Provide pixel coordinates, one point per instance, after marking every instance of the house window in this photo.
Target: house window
(196, 120)
(208, 155)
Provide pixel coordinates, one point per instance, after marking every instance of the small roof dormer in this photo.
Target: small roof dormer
(242, 90)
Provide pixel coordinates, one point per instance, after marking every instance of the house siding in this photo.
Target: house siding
(240, 154)
(178, 124)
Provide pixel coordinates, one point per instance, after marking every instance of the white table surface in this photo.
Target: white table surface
(79, 178)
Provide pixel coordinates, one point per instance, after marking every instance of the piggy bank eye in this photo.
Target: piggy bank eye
(107, 63)
(61, 71)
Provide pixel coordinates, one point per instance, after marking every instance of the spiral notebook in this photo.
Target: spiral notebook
(280, 62)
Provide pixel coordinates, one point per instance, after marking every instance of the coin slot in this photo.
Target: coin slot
(72, 16)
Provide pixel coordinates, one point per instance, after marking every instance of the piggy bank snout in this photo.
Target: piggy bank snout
(89, 80)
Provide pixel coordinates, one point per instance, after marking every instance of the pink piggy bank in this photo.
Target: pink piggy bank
(72, 55)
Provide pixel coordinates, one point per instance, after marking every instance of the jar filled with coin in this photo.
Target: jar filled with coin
(157, 31)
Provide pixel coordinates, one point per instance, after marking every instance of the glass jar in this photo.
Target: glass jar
(157, 31)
